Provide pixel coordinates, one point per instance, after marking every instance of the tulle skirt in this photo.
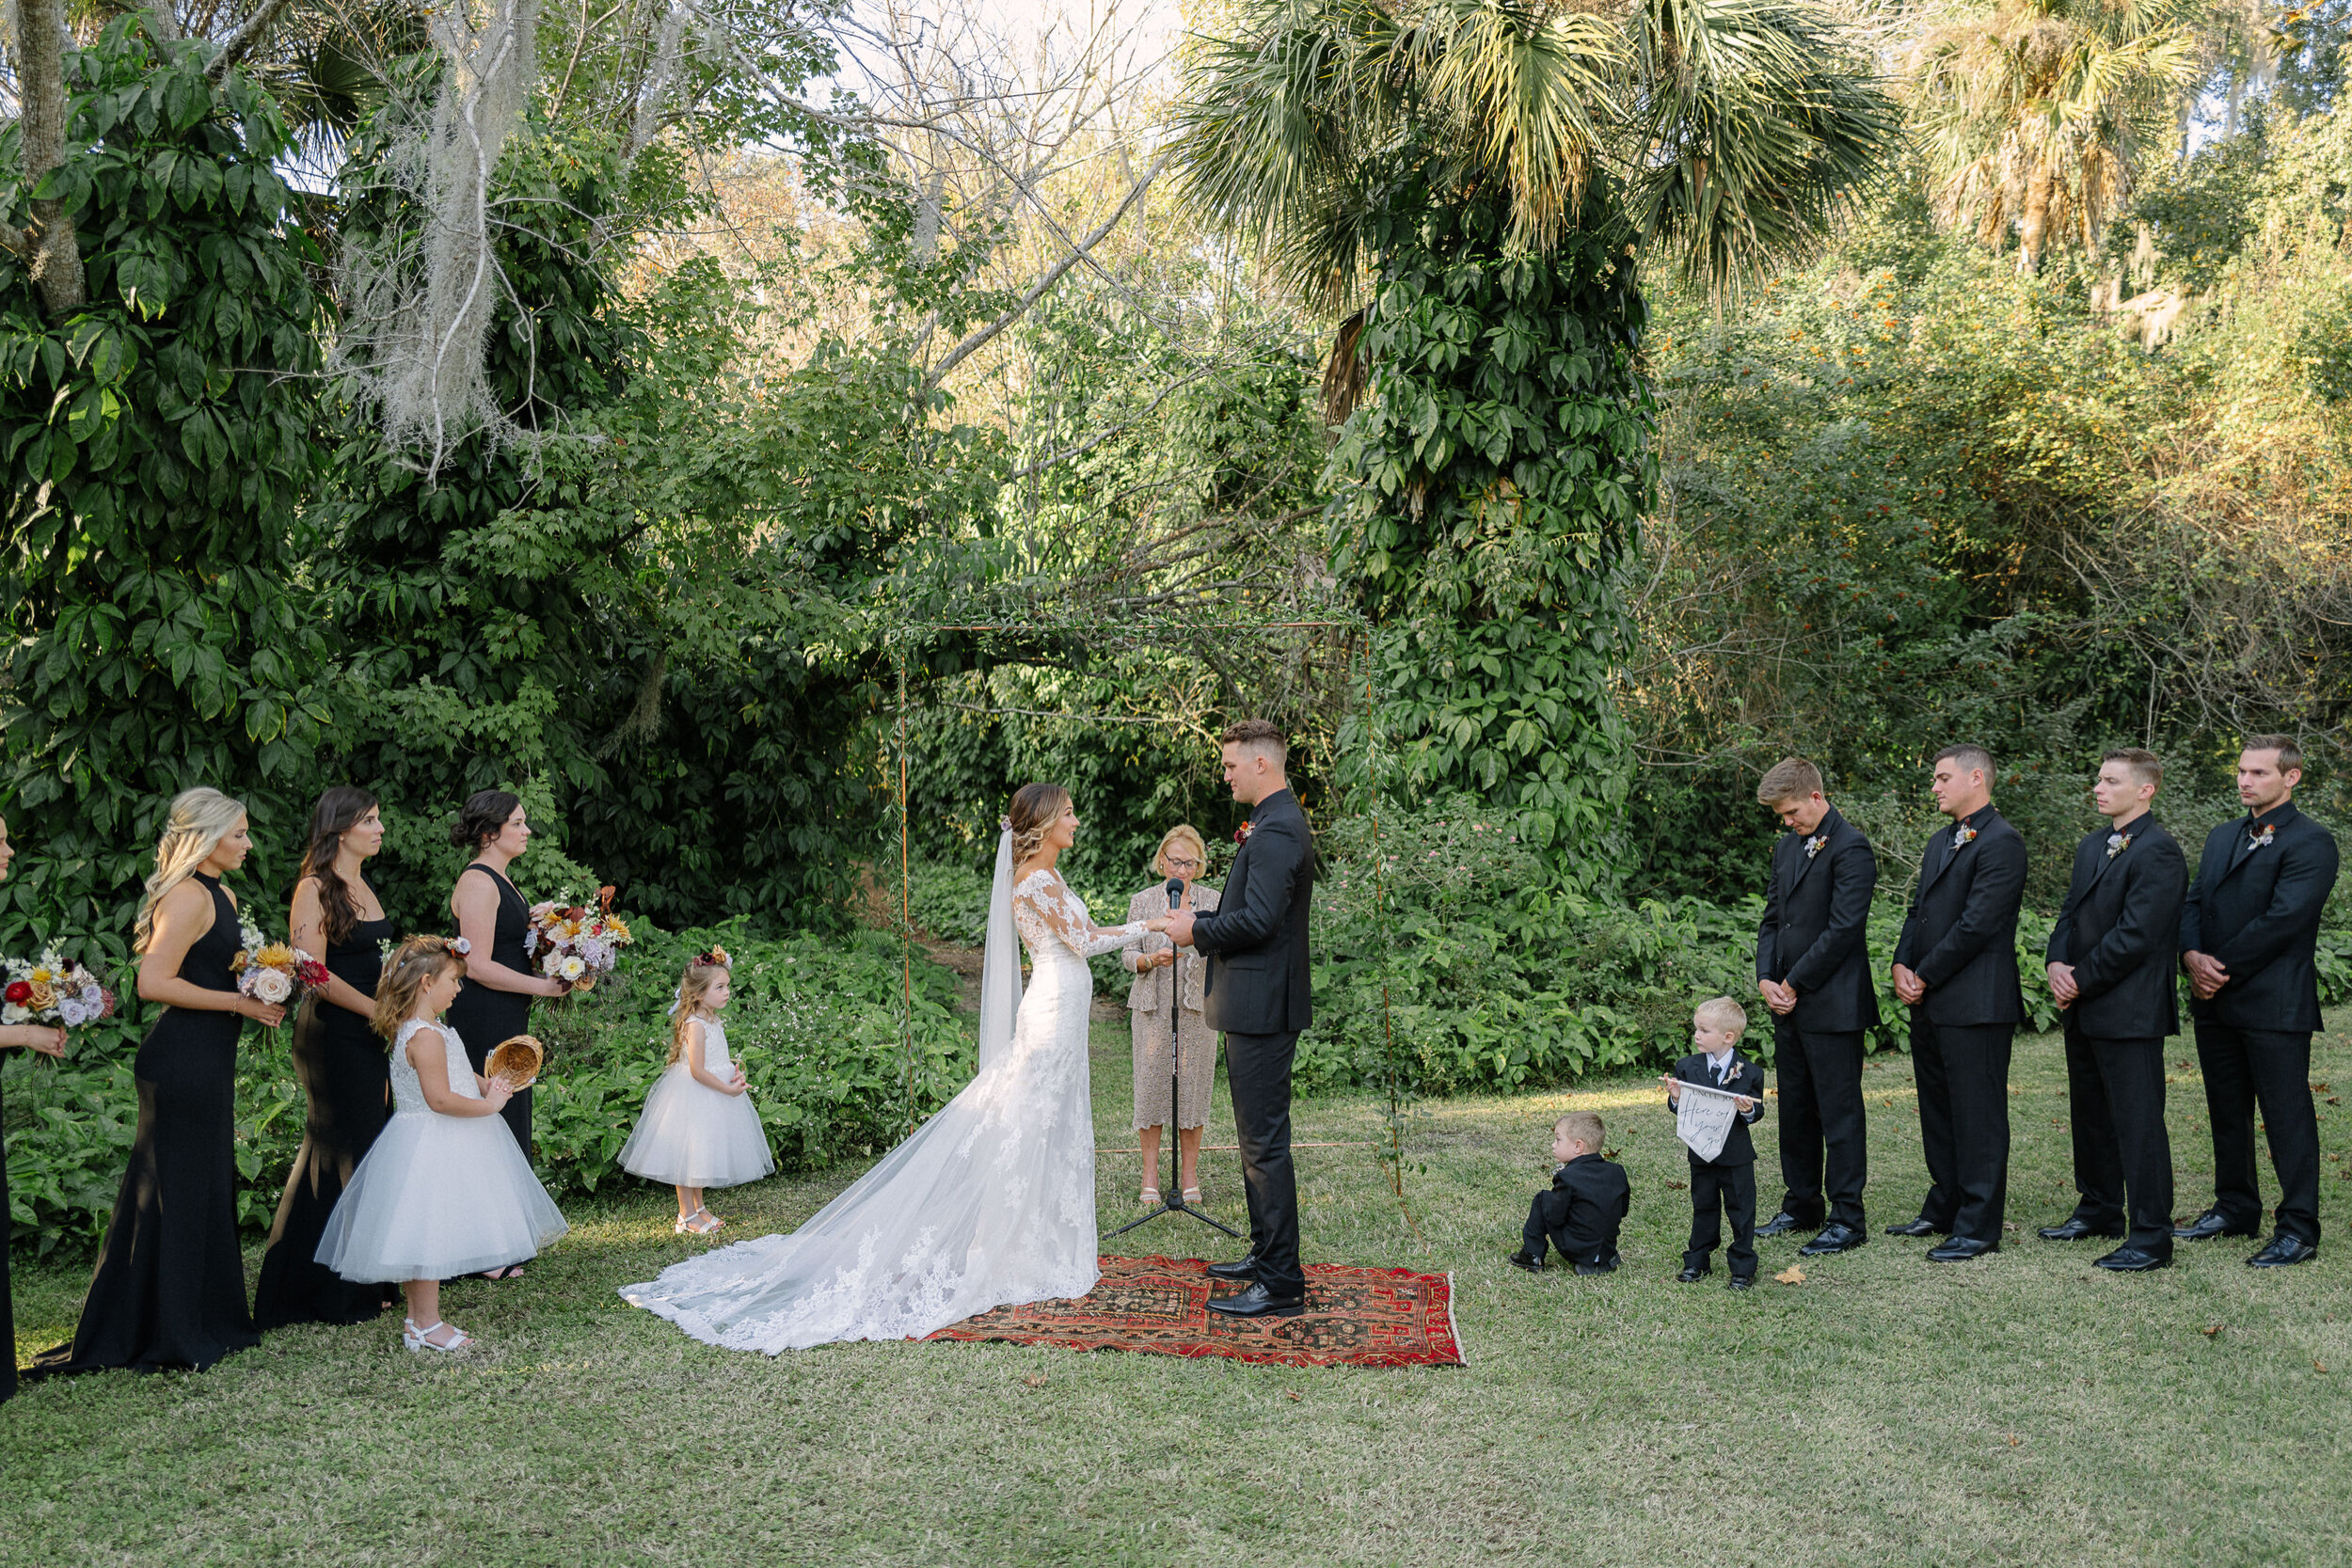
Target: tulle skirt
(692, 1135)
(438, 1197)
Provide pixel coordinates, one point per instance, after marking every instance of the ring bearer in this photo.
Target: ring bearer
(1813, 968)
(1722, 1175)
(2249, 936)
(2111, 970)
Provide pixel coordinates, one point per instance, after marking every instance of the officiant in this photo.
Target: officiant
(1171, 1038)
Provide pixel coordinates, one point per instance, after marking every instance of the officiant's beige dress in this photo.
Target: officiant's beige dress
(1147, 1011)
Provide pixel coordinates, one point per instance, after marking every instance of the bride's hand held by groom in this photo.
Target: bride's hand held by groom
(1177, 927)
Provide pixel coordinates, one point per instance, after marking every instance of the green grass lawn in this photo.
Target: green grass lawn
(2022, 1409)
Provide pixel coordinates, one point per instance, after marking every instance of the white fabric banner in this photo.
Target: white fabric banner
(1704, 1117)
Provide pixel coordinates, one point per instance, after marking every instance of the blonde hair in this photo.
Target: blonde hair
(1582, 1127)
(1721, 1013)
(1184, 833)
(1789, 779)
(198, 821)
(692, 986)
(419, 962)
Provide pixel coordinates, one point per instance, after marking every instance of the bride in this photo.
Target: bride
(989, 1203)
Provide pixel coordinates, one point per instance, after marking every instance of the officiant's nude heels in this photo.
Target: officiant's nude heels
(1151, 1199)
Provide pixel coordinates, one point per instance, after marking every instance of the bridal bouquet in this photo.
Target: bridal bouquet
(571, 942)
(50, 990)
(272, 972)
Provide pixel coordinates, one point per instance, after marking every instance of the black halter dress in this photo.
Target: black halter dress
(170, 1288)
(482, 1017)
(346, 1083)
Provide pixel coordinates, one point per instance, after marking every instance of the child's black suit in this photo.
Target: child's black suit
(1725, 1184)
(1580, 1213)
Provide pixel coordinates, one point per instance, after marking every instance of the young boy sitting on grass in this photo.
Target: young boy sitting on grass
(1582, 1210)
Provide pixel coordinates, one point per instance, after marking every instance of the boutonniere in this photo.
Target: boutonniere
(2117, 844)
(1241, 835)
(1813, 845)
(1962, 835)
(2264, 835)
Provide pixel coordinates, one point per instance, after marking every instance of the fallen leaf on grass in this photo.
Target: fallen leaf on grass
(2014, 1440)
(1035, 1380)
(2317, 1367)
(2319, 1088)
(1888, 1103)
(1792, 1275)
(2210, 1330)
(1677, 1186)
(2335, 1099)
(1291, 1393)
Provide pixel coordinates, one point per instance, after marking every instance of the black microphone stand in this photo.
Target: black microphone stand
(1172, 1195)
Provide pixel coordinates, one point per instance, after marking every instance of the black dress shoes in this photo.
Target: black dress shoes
(2207, 1226)
(1245, 1269)
(1914, 1227)
(2282, 1251)
(1958, 1249)
(1834, 1238)
(1258, 1302)
(1779, 1225)
(1607, 1266)
(1519, 1259)
(1690, 1276)
(2074, 1229)
(1744, 1282)
(2129, 1259)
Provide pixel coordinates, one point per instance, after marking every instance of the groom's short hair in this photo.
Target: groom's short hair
(1258, 735)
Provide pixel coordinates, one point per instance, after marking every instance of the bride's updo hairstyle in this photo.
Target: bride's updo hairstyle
(1035, 808)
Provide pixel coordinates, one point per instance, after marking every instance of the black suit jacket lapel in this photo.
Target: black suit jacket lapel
(1827, 830)
(2107, 860)
(1941, 852)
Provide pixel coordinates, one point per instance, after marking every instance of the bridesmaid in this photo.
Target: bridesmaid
(345, 1080)
(492, 917)
(169, 1290)
(49, 1041)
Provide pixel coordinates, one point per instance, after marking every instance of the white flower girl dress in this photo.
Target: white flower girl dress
(692, 1135)
(437, 1197)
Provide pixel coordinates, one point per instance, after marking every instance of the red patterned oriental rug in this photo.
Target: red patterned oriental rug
(1354, 1318)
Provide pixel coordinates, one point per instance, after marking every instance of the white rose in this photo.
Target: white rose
(272, 985)
(572, 969)
(12, 1013)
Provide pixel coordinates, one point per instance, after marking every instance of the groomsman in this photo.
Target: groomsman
(2112, 967)
(2249, 936)
(1813, 968)
(1956, 967)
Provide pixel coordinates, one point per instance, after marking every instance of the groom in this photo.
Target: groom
(1257, 993)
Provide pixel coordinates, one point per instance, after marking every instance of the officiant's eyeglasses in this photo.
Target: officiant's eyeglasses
(1175, 860)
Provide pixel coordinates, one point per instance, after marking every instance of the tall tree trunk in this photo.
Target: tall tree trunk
(2035, 229)
(56, 258)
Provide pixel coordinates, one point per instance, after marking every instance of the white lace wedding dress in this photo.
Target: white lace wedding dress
(989, 1203)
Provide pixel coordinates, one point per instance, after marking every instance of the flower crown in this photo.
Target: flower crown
(457, 945)
(716, 958)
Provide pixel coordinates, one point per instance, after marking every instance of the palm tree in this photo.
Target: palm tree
(1732, 130)
(2038, 114)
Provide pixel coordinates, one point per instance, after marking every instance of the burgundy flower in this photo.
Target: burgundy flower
(19, 992)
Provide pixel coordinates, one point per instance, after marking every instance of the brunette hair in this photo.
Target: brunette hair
(1789, 779)
(419, 961)
(2146, 766)
(1035, 808)
(1968, 757)
(2290, 754)
(200, 819)
(481, 816)
(692, 986)
(337, 811)
(1258, 735)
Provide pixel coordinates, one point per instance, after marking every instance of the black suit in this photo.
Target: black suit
(1725, 1184)
(1960, 939)
(2256, 910)
(1257, 991)
(2123, 908)
(1817, 912)
(1580, 1212)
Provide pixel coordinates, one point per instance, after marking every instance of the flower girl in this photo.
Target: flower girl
(698, 1128)
(444, 1190)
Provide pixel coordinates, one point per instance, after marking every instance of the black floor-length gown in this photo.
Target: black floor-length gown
(346, 1083)
(8, 1313)
(482, 1017)
(169, 1290)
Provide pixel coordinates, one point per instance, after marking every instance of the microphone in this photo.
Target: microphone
(1175, 890)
